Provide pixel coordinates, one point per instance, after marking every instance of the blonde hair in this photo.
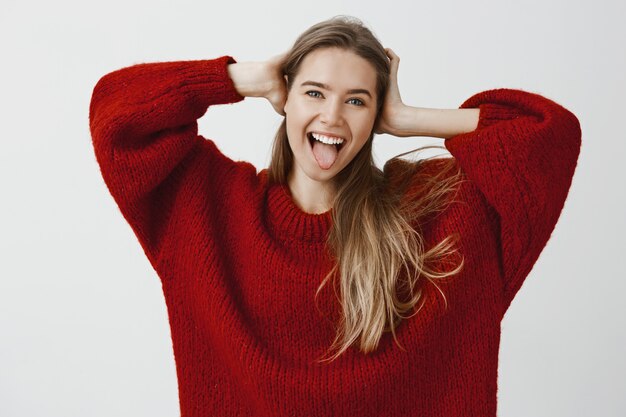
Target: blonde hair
(374, 248)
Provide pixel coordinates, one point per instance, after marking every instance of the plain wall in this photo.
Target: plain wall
(83, 322)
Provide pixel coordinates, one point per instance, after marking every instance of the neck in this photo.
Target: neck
(311, 196)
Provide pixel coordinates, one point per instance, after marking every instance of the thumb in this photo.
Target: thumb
(278, 103)
(279, 109)
(394, 90)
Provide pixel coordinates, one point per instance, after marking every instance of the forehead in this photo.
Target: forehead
(338, 68)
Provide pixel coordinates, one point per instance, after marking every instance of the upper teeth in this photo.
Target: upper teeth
(327, 139)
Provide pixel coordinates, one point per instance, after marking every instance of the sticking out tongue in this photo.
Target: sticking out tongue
(325, 154)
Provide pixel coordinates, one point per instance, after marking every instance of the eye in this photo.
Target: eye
(317, 94)
(357, 101)
(312, 93)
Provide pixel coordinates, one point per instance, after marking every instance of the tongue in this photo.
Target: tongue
(325, 154)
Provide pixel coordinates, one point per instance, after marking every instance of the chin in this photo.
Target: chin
(321, 175)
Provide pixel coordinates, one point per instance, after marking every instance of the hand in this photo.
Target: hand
(261, 79)
(276, 93)
(389, 119)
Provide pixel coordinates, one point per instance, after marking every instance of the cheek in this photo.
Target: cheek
(365, 126)
(296, 122)
(294, 133)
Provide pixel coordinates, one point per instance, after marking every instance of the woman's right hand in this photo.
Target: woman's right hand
(261, 79)
(277, 92)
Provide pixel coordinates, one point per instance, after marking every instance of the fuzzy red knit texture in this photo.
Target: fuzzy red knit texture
(240, 263)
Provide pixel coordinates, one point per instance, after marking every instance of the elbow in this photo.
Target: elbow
(565, 127)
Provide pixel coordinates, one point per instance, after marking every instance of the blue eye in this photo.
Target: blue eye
(317, 94)
(309, 93)
(359, 102)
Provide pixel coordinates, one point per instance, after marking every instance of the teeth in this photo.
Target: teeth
(327, 139)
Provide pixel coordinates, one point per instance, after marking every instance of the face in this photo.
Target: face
(334, 95)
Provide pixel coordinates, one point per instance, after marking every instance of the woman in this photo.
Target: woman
(244, 256)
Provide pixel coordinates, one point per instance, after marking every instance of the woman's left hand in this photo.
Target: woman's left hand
(389, 119)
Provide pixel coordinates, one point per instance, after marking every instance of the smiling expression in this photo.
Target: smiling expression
(334, 95)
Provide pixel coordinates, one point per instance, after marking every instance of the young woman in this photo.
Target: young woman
(405, 273)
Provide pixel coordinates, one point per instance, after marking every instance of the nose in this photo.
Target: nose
(331, 112)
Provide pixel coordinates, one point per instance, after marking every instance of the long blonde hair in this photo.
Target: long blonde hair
(374, 248)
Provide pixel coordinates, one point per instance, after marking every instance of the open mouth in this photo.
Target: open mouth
(312, 139)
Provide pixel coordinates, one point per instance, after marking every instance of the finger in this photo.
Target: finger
(394, 62)
(392, 55)
(279, 107)
(280, 110)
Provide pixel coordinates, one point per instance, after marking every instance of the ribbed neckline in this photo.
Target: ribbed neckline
(289, 222)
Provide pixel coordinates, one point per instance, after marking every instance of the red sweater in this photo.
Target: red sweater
(240, 263)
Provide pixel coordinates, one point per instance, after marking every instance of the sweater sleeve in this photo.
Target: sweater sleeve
(143, 122)
(522, 157)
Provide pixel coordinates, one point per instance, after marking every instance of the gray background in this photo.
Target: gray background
(83, 324)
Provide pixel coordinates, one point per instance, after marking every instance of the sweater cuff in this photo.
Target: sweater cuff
(492, 112)
(229, 87)
(227, 92)
(210, 79)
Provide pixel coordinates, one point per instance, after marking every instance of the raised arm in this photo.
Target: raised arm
(436, 123)
(520, 149)
(522, 157)
(399, 119)
(143, 122)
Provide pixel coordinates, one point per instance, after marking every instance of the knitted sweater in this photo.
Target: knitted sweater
(240, 263)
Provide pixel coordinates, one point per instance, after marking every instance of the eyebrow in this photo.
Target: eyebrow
(324, 86)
